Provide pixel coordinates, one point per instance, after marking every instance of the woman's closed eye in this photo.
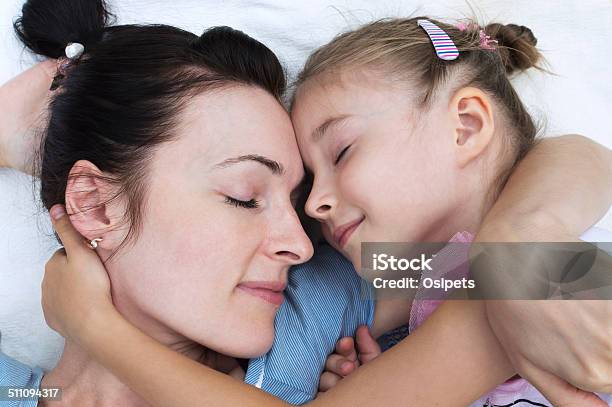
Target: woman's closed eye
(342, 153)
(250, 204)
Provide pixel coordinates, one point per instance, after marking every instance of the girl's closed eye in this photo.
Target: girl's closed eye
(342, 153)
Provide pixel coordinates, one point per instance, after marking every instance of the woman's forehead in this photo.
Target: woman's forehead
(235, 122)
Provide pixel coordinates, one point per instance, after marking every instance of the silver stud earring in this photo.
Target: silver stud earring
(93, 244)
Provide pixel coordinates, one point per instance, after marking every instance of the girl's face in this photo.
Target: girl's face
(383, 169)
(219, 227)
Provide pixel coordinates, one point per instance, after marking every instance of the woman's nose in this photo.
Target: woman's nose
(291, 243)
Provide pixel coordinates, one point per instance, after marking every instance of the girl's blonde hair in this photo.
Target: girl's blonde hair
(401, 48)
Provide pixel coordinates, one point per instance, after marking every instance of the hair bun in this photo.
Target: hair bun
(47, 26)
(516, 45)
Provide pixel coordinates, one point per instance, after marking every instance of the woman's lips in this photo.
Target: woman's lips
(344, 232)
(269, 291)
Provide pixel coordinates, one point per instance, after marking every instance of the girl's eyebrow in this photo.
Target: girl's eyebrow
(328, 124)
(274, 166)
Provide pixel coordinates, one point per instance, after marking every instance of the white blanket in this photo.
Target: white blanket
(573, 35)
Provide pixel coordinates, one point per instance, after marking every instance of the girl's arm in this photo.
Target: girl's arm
(23, 103)
(451, 361)
(559, 190)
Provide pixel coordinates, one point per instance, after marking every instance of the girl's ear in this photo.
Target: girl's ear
(472, 114)
(87, 196)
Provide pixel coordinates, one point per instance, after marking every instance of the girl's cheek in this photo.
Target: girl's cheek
(356, 183)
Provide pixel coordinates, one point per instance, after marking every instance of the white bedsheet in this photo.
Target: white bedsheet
(573, 35)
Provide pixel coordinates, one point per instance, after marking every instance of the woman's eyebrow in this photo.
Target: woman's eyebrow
(274, 166)
(328, 124)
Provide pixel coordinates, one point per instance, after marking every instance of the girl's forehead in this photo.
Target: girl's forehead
(353, 95)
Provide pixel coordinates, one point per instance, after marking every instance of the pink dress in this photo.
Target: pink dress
(452, 263)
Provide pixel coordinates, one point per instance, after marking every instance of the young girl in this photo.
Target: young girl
(377, 102)
(461, 127)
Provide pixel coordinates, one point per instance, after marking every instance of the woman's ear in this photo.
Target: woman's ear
(87, 196)
(472, 115)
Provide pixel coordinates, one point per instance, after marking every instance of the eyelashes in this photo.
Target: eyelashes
(251, 204)
(341, 154)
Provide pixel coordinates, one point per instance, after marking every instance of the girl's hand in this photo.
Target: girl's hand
(562, 347)
(23, 106)
(348, 358)
(558, 346)
(76, 288)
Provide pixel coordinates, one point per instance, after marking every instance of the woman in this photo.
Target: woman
(155, 130)
(482, 338)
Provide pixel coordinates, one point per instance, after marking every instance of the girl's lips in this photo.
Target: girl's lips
(344, 232)
(271, 292)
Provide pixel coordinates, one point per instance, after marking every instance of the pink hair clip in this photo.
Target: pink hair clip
(486, 42)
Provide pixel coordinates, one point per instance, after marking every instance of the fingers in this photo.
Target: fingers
(339, 365)
(559, 392)
(71, 239)
(346, 347)
(346, 360)
(57, 262)
(367, 346)
(328, 380)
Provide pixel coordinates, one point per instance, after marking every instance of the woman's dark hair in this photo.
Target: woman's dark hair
(124, 96)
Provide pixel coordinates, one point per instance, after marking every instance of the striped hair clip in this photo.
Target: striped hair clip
(444, 46)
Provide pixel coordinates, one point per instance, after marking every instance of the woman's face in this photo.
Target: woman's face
(219, 228)
(383, 170)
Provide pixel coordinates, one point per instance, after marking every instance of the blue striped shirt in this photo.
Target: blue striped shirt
(325, 300)
(16, 374)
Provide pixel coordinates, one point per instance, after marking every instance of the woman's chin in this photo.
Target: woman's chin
(248, 345)
(240, 336)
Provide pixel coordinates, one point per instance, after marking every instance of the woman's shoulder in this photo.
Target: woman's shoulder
(325, 262)
(327, 281)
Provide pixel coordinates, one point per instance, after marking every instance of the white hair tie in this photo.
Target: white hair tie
(74, 50)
